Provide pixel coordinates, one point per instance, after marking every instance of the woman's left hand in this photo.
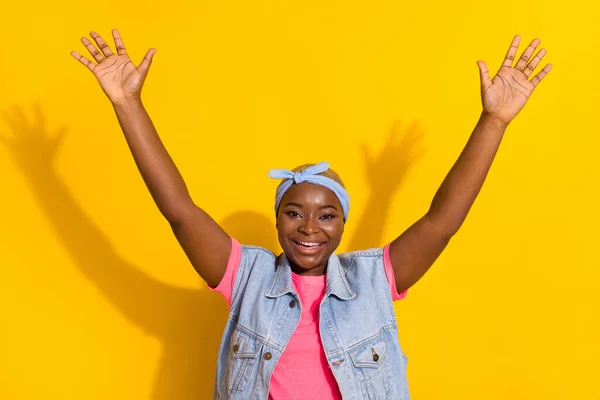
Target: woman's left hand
(507, 93)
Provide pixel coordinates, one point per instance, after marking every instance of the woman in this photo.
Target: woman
(311, 324)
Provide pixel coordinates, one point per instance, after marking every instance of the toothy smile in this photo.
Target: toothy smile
(308, 245)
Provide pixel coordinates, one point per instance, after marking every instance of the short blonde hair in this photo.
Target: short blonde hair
(331, 174)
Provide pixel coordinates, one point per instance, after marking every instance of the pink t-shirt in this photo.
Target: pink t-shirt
(303, 364)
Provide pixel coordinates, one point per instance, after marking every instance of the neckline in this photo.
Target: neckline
(308, 278)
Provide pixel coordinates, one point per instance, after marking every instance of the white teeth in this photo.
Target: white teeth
(309, 244)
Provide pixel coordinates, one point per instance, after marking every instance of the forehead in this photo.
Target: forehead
(308, 194)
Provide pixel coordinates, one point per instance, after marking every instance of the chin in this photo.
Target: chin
(303, 263)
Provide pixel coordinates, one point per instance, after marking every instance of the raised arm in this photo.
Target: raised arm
(206, 245)
(503, 97)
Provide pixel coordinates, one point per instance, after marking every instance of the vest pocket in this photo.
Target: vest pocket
(243, 353)
(369, 360)
(369, 355)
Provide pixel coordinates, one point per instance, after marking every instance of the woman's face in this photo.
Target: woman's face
(310, 223)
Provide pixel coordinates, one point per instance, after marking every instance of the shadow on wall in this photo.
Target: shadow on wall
(187, 365)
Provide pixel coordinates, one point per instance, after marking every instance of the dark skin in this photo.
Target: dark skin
(310, 224)
(208, 246)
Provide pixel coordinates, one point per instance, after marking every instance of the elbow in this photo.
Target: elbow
(446, 228)
(177, 212)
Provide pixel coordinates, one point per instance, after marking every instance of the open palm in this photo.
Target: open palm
(504, 96)
(117, 74)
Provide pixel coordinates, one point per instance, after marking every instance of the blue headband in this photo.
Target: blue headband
(310, 175)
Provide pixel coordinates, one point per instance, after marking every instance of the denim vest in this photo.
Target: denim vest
(357, 324)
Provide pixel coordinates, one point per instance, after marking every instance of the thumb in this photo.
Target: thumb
(484, 75)
(146, 62)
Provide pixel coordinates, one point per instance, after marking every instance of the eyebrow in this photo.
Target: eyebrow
(320, 208)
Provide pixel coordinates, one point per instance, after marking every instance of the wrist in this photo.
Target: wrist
(492, 121)
(127, 102)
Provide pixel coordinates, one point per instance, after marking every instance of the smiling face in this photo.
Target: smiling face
(310, 223)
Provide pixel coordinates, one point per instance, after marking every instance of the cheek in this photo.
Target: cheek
(334, 231)
(285, 227)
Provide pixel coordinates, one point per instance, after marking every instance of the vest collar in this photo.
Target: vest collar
(337, 284)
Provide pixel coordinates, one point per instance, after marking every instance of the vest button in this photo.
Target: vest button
(236, 347)
(267, 356)
(292, 303)
(375, 355)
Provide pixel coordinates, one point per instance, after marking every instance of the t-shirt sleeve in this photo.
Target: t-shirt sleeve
(225, 287)
(389, 273)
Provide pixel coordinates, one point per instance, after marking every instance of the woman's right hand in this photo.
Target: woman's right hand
(119, 78)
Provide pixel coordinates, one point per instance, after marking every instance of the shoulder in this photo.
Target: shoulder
(256, 265)
(251, 252)
(349, 258)
(255, 256)
(365, 270)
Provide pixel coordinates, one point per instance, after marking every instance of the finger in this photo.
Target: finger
(484, 76)
(526, 56)
(90, 65)
(541, 75)
(534, 62)
(512, 51)
(105, 48)
(146, 62)
(93, 50)
(119, 45)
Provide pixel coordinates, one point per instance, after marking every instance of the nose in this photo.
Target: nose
(309, 226)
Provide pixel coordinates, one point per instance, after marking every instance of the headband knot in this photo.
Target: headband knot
(298, 178)
(310, 175)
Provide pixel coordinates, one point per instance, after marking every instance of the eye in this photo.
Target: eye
(327, 216)
(292, 214)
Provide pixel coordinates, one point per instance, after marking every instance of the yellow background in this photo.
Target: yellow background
(98, 301)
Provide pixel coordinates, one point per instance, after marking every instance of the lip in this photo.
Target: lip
(307, 250)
